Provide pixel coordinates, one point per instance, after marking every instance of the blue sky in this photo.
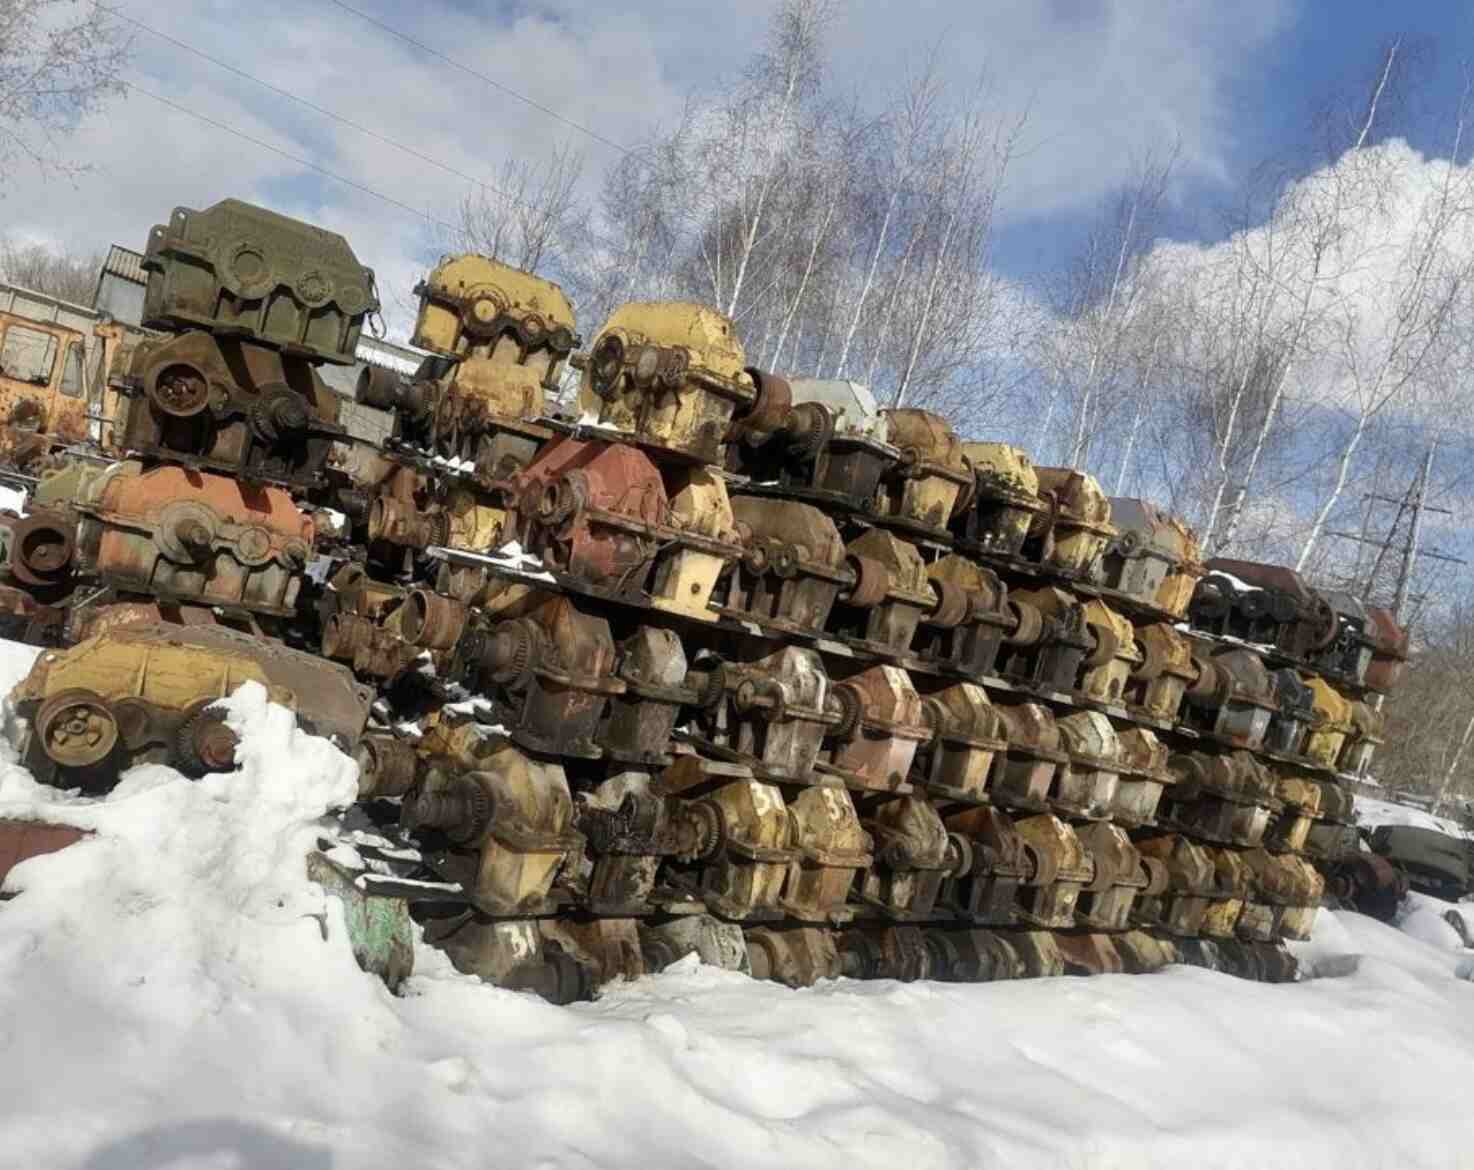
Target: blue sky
(1103, 80)
(1269, 98)
(1234, 82)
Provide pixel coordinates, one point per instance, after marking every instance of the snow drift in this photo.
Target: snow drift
(175, 993)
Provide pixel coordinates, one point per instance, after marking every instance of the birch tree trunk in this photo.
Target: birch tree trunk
(1136, 421)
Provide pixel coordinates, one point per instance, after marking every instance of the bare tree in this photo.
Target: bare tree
(1147, 366)
(644, 226)
(1430, 717)
(59, 60)
(970, 172)
(839, 239)
(525, 218)
(1384, 364)
(69, 276)
(1291, 263)
(742, 161)
(1110, 285)
(902, 155)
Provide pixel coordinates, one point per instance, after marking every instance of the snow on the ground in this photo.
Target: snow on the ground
(174, 993)
(1371, 812)
(13, 499)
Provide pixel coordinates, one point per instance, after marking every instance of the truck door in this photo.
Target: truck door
(71, 407)
(27, 360)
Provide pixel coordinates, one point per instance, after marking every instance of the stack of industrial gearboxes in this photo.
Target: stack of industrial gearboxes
(719, 661)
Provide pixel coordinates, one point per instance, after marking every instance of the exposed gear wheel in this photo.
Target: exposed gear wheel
(205, 744)
(278, 413)
(476, 812)
(508, 651)
(851, 711)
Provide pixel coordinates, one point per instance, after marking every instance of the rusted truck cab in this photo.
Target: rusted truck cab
(43, 388)
(55, 358)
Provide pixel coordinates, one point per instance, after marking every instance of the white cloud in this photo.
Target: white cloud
(1100, 85)
(146, 158)
(1102, 80)
(1371, 333)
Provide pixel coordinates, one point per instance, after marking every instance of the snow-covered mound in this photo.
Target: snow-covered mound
(1371, 812)
(175, 993)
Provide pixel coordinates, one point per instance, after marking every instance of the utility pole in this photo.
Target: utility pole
(1410, 555)
(1416, 501)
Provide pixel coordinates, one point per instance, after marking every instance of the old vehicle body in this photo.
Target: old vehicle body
(55, 359)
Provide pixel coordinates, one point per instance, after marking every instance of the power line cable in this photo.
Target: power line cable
(476, 73)
(302, 101)
(286, 154)
(351, 124)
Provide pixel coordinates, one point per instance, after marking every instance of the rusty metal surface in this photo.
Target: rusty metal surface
(832, 848)
(704, 542)
(1034, 755)
(386, 766)
(1366, 735)
(185, 535)
(775, 711)
(1086, 786)
(1062, 868)
(592, 510)
(41, 398)
(1074, 528)
(1143, 778)
(1153, 558)
(671, 374)
(1370, 883)
(913, 853)
(1333, 722)
(967, 735)
(652, 665)
(1233, 696)
(131, 694)
(556, 667)
(932, 480)
(1005, 499)
(1276, 606)
(227, 405)
(744, 880)
(1389, 650)
(883, 725)
(39, 549)
(891, 592)
(994, 861)
(1049, 646)
(371, 650)
(715, 943)
(1293, 716)
(22, 840)
(1180, 907)
(1159, 680)
(890, 952)
(972, 643)
(1112, 659)
(792, 565)
(513, 815)
(828, 444)
(240, 268)
(796, 957)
